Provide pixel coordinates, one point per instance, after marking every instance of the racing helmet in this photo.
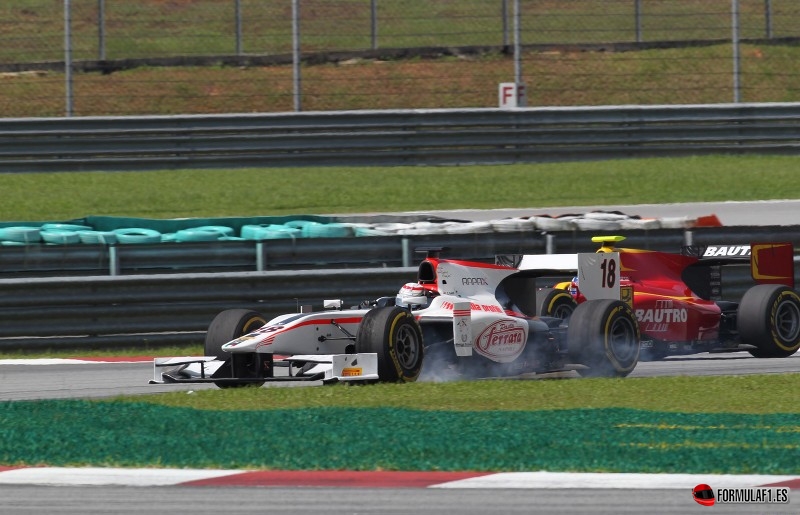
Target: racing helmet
(412, 290)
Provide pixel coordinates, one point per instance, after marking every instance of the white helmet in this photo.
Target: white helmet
(412, 290)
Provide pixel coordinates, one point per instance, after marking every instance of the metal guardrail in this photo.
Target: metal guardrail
(396, 137)
(151, 310)
(156, 310)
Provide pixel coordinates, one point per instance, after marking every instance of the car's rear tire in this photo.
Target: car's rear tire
(769, 320)
(557, 303)
(604, 336)
(227, 326)
(396, 337)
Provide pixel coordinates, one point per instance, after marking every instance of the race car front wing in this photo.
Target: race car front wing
(327, 368)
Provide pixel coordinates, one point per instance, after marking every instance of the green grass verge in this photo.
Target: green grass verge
(605, 440)
(749, 394)
(735, 425)
(281, 191)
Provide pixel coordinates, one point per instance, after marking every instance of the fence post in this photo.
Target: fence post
(735, 41)
(101, 30)
(637, 8)
(504, 14)
(517, 43)
(768, 17)
(374, 23)
(68, 57)
(296, 53)
(261, 256)
(550, 243)
(113, 260)
(238, 14)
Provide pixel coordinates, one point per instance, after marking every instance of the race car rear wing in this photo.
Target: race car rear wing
(770, 262)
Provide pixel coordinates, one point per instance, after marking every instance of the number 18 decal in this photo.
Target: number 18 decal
(609, 267)
(598, 275)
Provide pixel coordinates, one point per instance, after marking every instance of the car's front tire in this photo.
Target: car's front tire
(396, 337)
(227, 326)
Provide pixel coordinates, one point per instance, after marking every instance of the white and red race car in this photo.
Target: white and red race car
(461, 319)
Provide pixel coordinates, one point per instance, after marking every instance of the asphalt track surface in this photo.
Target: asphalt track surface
(69, 379)
(22, 499)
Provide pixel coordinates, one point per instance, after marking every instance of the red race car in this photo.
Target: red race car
(676, 298)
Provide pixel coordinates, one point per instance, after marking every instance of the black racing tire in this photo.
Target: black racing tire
(557, 303)
(769, 320)
(396, 337)
(227, 326)
(604, 336)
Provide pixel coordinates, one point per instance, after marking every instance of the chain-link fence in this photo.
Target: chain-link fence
(222, 56)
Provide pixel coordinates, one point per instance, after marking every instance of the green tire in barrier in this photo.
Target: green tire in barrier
(276, 232)
(333, 230)
(223, 230)
(60, 237)
(300, 224)
(65, 227)
(198, 234)
(248, 231)
(137, 235)
(97, 237)
(21, 234)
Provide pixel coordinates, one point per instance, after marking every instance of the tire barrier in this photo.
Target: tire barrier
(67, 233)
(119, 246)
(21, 235)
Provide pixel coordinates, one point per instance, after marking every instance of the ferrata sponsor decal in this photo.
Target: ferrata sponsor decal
(502, 340)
